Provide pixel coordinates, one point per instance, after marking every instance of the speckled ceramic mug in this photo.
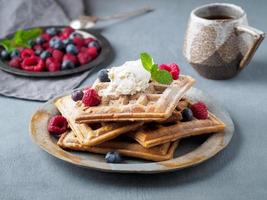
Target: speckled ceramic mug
(218, 41)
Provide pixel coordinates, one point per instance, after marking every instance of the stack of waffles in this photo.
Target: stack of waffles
(146, 125)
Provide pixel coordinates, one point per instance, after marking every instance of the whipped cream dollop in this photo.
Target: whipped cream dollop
(127, 79)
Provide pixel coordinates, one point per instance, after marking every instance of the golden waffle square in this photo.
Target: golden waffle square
(156, 103)
(92, 134)
(155, 134)
(125, 148)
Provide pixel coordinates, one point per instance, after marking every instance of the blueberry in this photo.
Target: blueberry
(187, 114)
(31, 43)
(75, 34)
(15, 53)
(51, 31)
(77, 95)
(113, 157)
(103, 75)
(71, 49)
(44, 55)
(67, 64)
(59, 45)
(95, 44)
(5, 55)
(40, 40)
(38, 52)
(67, 41)
(53, 41)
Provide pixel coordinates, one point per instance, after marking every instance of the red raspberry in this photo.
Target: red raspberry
(34, 64)
(57, 125)
(70, 57)
(68, 30)
(46, 37)
(78, 41)
(62, 36)
(57, 54)
(92, 52)
(91, 98)
(27, 53)
(200, 110)
(84, 58)
(15, 62)
(50, 60)
(82, 49)
(50, 50)
(172, 68)
(37, 46)
(165, 67)
(46, 45)
(88, 40)
(53, 66)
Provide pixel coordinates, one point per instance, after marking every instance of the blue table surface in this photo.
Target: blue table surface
(239, 172)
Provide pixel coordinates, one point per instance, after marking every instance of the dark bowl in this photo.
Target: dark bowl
(105, 53)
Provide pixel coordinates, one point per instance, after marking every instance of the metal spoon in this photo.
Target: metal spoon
(90, 21)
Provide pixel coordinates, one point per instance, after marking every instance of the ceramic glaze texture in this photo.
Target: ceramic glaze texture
(213, 46)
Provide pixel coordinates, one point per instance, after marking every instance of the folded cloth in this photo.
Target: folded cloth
(30, 13)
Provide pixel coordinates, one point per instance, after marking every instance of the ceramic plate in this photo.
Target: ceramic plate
(104, 55)
(191, 151)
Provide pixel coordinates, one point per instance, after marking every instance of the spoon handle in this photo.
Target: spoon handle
(118, 16)
(138, 12)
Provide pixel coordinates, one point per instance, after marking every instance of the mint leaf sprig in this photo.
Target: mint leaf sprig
(20, 39)
(161, 76)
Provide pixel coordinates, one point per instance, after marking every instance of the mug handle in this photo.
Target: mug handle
(258, 38)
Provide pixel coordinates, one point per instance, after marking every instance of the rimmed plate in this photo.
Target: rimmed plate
(200, 151)
(104, 55)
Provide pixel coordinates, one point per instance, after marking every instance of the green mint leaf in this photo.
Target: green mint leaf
(17, 39)
(161, 76)
(7, 44)
(22, 37)
(146, 60)
(31, 34)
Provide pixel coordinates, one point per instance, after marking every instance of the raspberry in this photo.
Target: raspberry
(91, 98)
(84, 58)
(83, 49)
(172, 68)
(50, 50)
(58, 55)
(70, 57)
(57, 125)
(34, 64)
(175, 71)
(27, 53)
(88, 40)
(165, 67)
(68, 30)
(78, 41)
(50, 60)
(53, 67)
(45, 45)
(37, 46)
(200, 110)
(15, 62)
(52, 64)
(46, 37)
(92, 52)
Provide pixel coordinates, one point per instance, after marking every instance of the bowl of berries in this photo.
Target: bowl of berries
(52, 51)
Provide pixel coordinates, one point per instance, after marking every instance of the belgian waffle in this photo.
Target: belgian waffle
(155, 134)
(159, 153)
(92, 134)
(156, 103)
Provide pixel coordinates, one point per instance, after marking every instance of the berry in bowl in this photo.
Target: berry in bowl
(52, 51)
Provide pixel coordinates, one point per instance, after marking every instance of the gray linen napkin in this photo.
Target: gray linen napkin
(28, 13)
